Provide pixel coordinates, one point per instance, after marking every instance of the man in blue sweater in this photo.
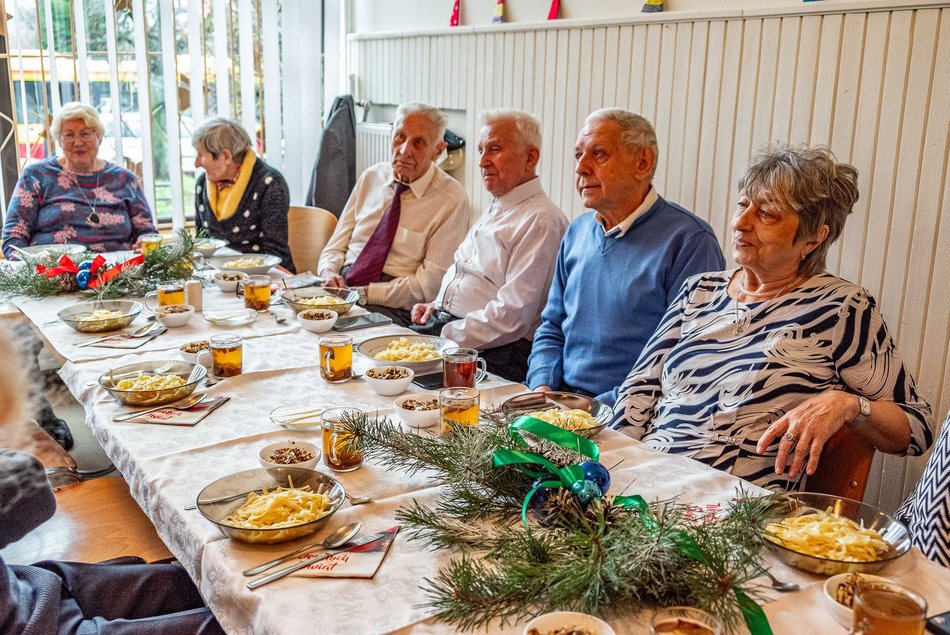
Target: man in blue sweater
(619, 266)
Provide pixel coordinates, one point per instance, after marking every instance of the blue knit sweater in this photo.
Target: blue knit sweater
(609, 293)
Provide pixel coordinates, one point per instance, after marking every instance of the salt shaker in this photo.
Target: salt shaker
(193, 294)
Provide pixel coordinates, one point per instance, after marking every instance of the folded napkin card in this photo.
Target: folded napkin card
(189, 417)
(361, 562)
(126, 340)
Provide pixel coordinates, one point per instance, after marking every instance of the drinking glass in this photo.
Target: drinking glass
(885, 608)
(336, 358)
(340, 454)
(166, 293)
(685, 619)
(459, 366)
(150, 242)
(458, 405)
(257, 293)
(227, 355)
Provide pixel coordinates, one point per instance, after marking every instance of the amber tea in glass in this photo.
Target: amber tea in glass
(166, 294)
(339, 452)
(336, 358)
(884, 608)
(149, 243)
(458, 405)
(226, 355)
(257, 293)
(462, 367)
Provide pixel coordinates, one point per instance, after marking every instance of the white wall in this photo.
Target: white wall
(870, 79)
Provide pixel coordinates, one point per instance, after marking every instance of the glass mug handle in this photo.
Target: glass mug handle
(204, 358)
(148, 296)
(482, 373)
(334, 436)
(327, 366)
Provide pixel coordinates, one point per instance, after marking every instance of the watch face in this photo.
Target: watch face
(865, 406)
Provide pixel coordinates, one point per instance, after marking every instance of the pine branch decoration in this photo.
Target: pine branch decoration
(599, 559)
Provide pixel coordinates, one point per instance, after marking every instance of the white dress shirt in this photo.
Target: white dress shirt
(502, 271)
(621, 228)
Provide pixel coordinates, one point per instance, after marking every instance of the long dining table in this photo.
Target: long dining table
(167, 466)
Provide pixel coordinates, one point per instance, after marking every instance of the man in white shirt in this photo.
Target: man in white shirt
(408, 216)
(491, 297)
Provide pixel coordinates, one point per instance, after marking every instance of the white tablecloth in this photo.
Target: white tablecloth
(166, 467)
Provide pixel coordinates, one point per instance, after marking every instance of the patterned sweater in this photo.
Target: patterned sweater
(52, 205)
(259, 226)
(717, 373)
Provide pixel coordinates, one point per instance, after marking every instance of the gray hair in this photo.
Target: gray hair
(436, 118)
(77, 110)
(810, 182)
(219, 134)
(528, 126)
(635, 130)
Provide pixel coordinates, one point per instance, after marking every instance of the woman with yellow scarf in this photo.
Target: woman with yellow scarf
(239, 198)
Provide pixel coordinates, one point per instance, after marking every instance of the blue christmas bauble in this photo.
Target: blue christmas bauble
(539, 503)
(586, 491)
(595, 471)
(84, 266)
(82, 278)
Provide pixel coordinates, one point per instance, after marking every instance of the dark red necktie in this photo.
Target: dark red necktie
(368, 266)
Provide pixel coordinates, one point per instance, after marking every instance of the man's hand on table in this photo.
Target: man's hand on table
(333, 279)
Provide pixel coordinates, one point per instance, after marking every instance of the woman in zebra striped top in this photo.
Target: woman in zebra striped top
(752, 370)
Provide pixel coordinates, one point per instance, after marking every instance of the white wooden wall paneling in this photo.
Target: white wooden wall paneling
(873, 84)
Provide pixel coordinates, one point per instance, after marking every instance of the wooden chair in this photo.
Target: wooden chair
(308, 231)
(844, 466)
(95, 520)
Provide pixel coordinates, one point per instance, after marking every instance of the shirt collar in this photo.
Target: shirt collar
(420, 185)
(519, 193)
(621, 228)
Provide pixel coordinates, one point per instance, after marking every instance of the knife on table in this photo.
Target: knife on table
(280, 573)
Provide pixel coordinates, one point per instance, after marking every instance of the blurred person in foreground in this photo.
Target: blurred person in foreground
(491, 297)
(238, 197)
(753, 369)
(54, 597)
(402, 223)
(619, 266)
(78, 197)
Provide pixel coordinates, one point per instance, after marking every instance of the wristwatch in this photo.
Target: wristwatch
(362, 299)
(865, 405)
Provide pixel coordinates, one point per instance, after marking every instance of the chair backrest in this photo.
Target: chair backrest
(844, 466)
(308, 230)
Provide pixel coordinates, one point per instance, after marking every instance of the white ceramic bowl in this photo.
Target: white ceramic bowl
(566, 619)
(417, 418)
(317, 320)
(174, 315)
(224, 281)
(268, 450)
(843, 614)
(257, 264)
(188, 356)
(207, 246)
(384, 386)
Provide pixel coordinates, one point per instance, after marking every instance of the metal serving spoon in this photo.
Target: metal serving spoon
(778, 585)
(338, 538)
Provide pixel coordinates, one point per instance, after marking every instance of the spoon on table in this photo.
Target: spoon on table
(778, 585)
(338, 538)
(184, 404)
(277, 318)
(359, 500)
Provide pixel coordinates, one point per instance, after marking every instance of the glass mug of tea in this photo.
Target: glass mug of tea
(685, 619)
(885, 607)
(459, 406)
(150, 242)
(336, 358)
(227, 355)
(257, 293)
(165, 294)
(462, 367)
(340, 452)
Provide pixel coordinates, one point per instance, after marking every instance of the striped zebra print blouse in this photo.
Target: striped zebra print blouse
(707, 389)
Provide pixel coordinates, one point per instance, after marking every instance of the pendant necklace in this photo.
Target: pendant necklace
(739, 328)
(93, 218)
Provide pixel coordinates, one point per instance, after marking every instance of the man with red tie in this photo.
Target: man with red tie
(400, 227)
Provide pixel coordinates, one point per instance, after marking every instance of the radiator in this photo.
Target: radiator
(372, 144)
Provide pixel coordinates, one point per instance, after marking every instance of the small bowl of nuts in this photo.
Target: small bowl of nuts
(191, 352)
(418, 410)
(289, 454)
(317, 320)
(174, 315)
(228, 280)
(388, 380)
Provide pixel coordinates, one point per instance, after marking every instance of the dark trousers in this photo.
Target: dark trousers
(509, 361)
(132, 599)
